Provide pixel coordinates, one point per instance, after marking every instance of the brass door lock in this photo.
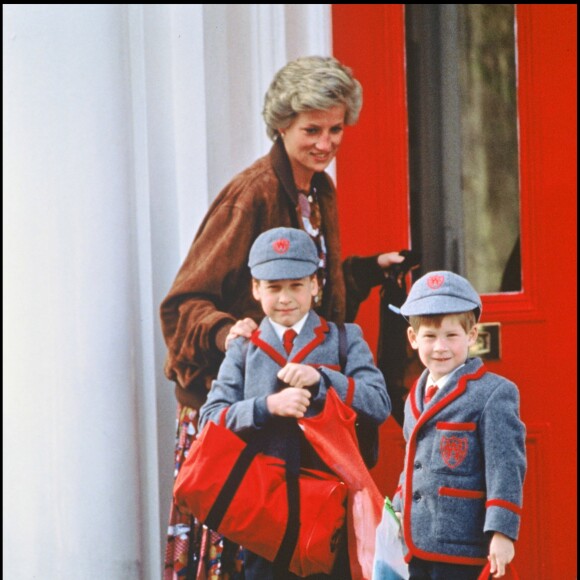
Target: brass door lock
(488, 344)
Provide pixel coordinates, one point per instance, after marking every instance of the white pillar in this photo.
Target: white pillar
(71, 463)
(121, 123)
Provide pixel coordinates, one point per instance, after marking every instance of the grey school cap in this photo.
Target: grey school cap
(283, 254)
(441, 292)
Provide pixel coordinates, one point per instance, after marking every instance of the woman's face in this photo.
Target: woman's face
(312, 141)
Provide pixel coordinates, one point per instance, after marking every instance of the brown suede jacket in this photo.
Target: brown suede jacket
(213, 286)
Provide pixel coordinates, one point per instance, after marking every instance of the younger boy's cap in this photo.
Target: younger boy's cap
(283, 254)
(441, 292)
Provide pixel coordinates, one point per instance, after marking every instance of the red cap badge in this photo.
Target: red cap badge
(281, 246)
(435, 282)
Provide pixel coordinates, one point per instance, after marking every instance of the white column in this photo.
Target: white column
(121, 123)
(169, 92)
(71, 462)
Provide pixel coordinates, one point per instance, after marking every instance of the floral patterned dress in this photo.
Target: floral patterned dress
(193, 551)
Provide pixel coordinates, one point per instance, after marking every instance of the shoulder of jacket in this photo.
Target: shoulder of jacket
(353, 328)
(493, 380)
(238, 347)
(256, 178)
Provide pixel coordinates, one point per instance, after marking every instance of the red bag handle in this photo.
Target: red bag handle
(222, 421)
(510, 574)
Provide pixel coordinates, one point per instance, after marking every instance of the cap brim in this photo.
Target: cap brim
(433, 305)
(281, 269)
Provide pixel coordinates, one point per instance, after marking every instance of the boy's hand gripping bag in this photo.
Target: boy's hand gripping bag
(333, 436)
(389, 557)
(510, 573)
(242, 493)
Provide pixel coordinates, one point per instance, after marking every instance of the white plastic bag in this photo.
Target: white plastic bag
(389, 562)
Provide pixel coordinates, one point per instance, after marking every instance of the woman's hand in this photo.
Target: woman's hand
(388, 259)
(243, 328)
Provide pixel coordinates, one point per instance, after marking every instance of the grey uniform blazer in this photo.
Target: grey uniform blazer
(464, 466)
(248, 375)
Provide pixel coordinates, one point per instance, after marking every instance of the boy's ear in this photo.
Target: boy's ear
(472, 336)
(412, 336)
(256, 289)
(314, 289)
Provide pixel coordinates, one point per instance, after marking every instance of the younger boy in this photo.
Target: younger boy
(275, 374)
(460, 493)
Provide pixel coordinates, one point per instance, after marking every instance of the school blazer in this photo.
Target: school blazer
(464, 468)
(248, 375)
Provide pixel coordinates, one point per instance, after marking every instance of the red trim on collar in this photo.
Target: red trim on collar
(267, 348)
(456, 392)
(414, 407)
(409, 461)
(319, 332)
(318, 339)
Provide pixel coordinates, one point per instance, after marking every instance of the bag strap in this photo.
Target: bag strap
(342, 346)
(290, 538)
(220, 506)
(222, 419)
(226, 495)
(342, 350)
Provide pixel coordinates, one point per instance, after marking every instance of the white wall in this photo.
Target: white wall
(121, 123)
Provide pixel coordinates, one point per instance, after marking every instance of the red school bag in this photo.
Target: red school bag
(332, 434)
(235, 489)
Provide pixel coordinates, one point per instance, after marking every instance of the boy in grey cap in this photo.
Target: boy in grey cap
(460, 493)
(287, 367)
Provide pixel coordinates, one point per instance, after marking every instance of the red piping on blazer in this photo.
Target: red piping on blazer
(412, 445)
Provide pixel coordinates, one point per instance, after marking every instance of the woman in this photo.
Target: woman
(307, 106)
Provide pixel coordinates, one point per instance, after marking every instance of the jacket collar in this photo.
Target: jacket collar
(472, 369)
(312, 335)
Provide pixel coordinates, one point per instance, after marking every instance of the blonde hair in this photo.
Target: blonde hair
(466, 319)
(310, 83)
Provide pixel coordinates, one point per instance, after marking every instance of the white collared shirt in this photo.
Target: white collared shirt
(280, 329)
(442, 381)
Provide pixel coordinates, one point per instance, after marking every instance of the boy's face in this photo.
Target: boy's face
(442, 349)
(285, 301)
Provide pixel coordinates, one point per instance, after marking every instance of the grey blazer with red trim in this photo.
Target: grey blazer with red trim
(464, 469)
(248, 375)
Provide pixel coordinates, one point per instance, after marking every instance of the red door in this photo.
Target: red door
(538, 324)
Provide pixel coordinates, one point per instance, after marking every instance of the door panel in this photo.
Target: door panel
(537, 325)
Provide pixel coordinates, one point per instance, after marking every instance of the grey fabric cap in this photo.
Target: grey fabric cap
(283, 254)
(441, 292)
